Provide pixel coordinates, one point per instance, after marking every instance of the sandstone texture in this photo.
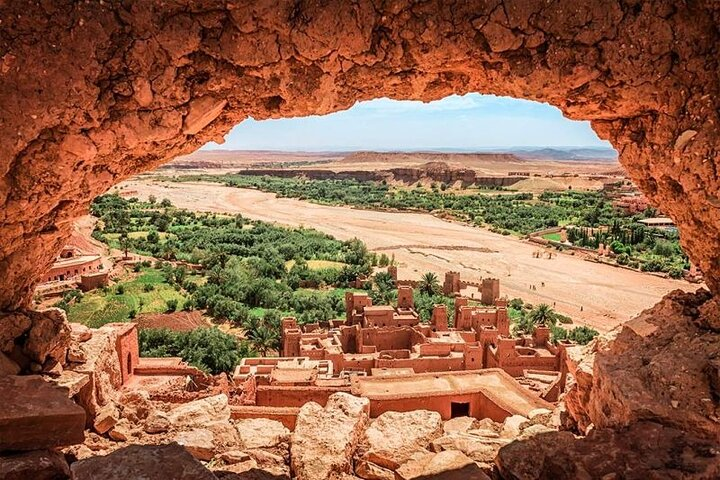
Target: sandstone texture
(659, 368)
(36, 465)
(325, 439)
(393, 437)
(148, 462)
(35, 414)
(449, 465)
(92, 93)
(644, 450)
(261, 433)
(102, 368)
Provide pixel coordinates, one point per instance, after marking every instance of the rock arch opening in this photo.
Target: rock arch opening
(94, 92)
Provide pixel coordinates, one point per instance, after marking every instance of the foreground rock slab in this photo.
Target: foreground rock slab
(261, 433)
(35, 414)
(449, 465)
(393, 437)
(658, 366)
(325, 439)
(37, 465)
(146, 462)
(645, 450)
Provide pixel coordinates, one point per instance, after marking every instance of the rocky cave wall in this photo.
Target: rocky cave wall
(93, 92)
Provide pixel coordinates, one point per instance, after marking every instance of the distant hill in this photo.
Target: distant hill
(569, 153)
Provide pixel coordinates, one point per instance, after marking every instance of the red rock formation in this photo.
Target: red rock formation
(93, 92)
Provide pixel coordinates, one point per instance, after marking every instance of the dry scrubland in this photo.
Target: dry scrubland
(608, 295)
(486, 164)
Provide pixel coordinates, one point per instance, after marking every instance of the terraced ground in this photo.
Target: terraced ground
(100, 307)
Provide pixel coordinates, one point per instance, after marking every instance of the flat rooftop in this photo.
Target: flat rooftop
(493, 383)
(72, 261)
(657, 221)
(378, 309)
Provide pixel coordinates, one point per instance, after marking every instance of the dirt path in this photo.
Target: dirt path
(422, 243)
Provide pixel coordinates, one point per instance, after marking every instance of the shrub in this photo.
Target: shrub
(675, 272)
(208, 349)
(172, 305)
(132, 314)
(148, 287)
(120, 289)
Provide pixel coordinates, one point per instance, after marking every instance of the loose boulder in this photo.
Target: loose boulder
(48, 337)
(646, 449)
(36, 465)
(35, 414)
(261, 433)
(325, 439)
(448, 465)
(200, 412)
(393, 437)
(149, 462)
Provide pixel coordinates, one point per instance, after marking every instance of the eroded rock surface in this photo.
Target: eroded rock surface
(656, 369)
(94, 92)
(36, 465)
(446, 465)
(149, 462)
(261, 433)
(325, 439)
(393, 437)
(644, 450)
(35, 414)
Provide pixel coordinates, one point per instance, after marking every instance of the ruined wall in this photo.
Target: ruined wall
(288, 396)
(93, 92)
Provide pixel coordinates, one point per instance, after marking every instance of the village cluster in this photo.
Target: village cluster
(385, 354)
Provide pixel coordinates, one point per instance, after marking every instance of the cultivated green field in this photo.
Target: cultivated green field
(99, 307)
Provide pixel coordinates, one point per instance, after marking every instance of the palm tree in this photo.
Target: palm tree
(543, 314)
(429, 283)
(265, 339)
(262, 336)
(384, 281)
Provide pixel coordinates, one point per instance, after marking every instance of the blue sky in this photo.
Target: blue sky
(469, 122)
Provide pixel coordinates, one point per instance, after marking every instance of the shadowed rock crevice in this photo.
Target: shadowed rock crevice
(92, 93)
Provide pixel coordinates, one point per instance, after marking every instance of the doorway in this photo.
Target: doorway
(459, 409)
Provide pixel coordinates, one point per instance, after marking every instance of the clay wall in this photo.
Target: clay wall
(93, 280)
(355, 362)
(66, 272)
(355, 302)
(392, 270)
(490, 291)
(459, 303)
(439, 404)
(394, 338)
(474, 357)
(349, 338)
(287, 415)
(425, 364)
(436, 349)
(439, 318)
(515, 359)
(541, 336)
(405, 297)
(468, 335)
(451, 284)
(128, 351)
(477, 317)
(291, 343)
(289, 396)
(379, 317)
